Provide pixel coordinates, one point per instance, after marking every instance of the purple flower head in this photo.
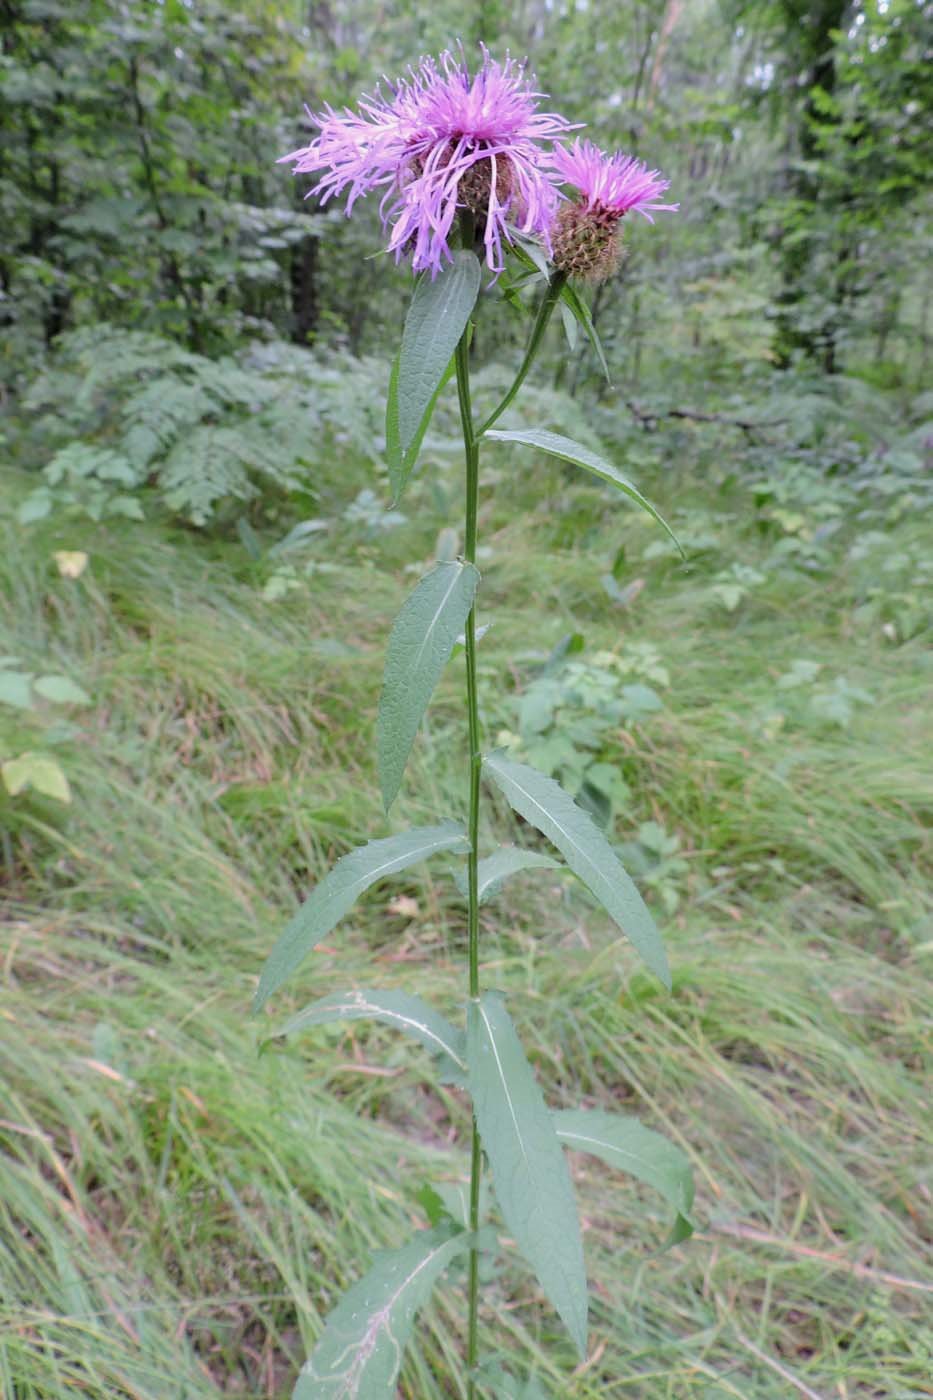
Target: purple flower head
(586, 236)
(615, 184)
(443, 140)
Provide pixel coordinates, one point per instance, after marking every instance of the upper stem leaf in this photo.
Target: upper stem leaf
(422, 638)
(437, 317)
(340, 888)
(492, 871)
(544, 803)
(398, 1009)
(580, 456)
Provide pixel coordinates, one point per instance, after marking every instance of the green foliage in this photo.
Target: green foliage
(405, 1013)
(38, 771)
(531, 1179)
(543, 803)
(439, 311)
(339, 890)
(798, 952)
(200, 437)
(420, 644)
(360, 1352)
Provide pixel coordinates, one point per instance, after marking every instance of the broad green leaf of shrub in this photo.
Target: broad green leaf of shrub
(61, 690)
(38, 772)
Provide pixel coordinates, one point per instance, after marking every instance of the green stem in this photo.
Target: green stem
(548, 302)
(471, 452)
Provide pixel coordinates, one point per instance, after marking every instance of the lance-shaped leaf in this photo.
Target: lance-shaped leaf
(437, 317)
(623, 1142)
(570, 451)
(572, 299)
(340, 888)
(492, 871)
(529, 1172)
(422, 638)
(405, 1013)
(545, 804)
(360, 1350)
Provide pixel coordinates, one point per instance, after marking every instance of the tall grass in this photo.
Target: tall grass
(177, 1215)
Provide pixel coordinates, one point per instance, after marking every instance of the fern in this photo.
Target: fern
(127, 417)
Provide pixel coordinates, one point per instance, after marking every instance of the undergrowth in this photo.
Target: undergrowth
(753, 728)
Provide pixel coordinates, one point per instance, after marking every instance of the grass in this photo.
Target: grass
(177, 1215)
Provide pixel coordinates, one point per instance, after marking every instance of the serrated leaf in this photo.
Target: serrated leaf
(422, 638)
(623, 1142)
(581, 311)
(36, 771)
(493, 870)
(437, 317)
(61, 690)
(580, 456)
(545, 804)
(342, 886)
(529, 1172)
(405, 1013)
(360, 1350)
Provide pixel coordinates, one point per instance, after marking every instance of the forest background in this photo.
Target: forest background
(196, 573)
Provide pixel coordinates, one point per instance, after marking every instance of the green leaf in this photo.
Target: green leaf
(36, 771)
(570, 325)
(406, 1013)
(437, 317)
(341, 887)
(530, 1174)
(493, 870)
(61, 690)
(545, 804)
(400, 465)
(580, 456)
(15, 689)
(420, 644)
(581, 311)
(37, 505)
(360, 1350)
(623, 1142)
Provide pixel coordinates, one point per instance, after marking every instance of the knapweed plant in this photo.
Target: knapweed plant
(472, 172)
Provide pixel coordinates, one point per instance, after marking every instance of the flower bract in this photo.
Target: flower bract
(586, 236)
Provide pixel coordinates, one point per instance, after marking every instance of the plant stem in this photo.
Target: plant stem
(471, 452)
(548, 302)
